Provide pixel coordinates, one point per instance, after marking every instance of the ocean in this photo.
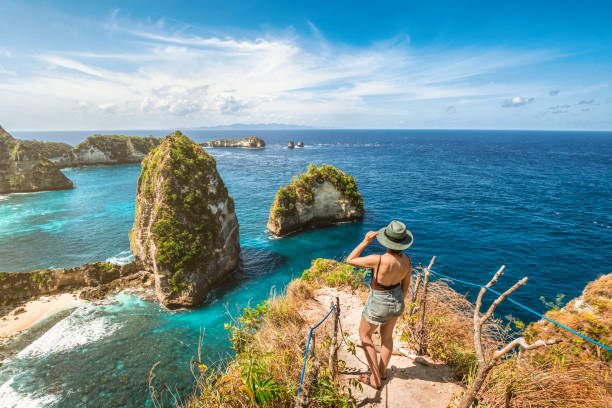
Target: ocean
(538, 202)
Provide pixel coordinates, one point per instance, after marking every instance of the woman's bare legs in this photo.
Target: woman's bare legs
(366, 330)
(386, 349)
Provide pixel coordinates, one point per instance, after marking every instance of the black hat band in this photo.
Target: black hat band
(396, 240)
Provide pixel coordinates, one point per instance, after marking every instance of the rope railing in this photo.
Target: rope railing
(308, 345)
(524, 307)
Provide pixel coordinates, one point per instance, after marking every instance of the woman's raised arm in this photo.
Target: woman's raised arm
(369, 261)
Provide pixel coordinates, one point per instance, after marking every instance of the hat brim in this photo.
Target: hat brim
(397, 246)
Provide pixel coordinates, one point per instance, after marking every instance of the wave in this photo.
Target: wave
(76, 330)
(121, 258)
(13, 399)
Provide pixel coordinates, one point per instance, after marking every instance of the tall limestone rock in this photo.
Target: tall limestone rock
(24, 167)
(185, 230)
(321, 196)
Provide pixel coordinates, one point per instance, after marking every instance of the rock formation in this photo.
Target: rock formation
(300, 144)
(247, 143)
(24, 168)
(291, 145)
(108, 149)
(185, 229)
(94, 281)
(321, 196)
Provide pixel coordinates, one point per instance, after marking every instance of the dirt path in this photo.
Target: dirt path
(409, 384)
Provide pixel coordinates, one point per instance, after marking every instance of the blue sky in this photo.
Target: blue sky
(158, 64)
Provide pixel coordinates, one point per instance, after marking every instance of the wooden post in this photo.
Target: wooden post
(413, 295)
(304, 399)
(333, 350)
(423, 306)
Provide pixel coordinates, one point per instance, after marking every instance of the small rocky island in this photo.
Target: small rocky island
(321, 196)
(291, 145)
(24, 166)
(246, 143)
(185, 229)
(108, 149)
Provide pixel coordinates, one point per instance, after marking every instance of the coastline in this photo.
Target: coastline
(25, 316)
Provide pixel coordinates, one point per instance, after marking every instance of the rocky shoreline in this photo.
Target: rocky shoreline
(91, 282)
(31, 165)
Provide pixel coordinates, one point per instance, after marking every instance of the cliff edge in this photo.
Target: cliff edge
(108, 149)
(246, 143)
(185, 229)
(321, 196)
(24, 167)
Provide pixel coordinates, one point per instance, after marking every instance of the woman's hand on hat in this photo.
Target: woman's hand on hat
(370, 235)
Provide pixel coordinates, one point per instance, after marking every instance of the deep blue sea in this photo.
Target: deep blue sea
(538, 202)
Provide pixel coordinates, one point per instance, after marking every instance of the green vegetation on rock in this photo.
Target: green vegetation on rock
(301, 188)
(41, 277)
(184, 225)
(119, 147)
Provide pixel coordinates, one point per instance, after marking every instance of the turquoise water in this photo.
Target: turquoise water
(538, 202)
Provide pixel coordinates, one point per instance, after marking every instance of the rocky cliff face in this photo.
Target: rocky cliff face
(24, 168)
(247, 143)
(185, 229)
(94, 281)
(321, 196)
(108, 149)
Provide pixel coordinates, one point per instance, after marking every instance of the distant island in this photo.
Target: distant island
(246, 143)
(254, 126)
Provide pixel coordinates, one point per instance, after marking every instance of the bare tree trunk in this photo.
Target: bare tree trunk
(470, 394)
(421, 347)
(485, 366)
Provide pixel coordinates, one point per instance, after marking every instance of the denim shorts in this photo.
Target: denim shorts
(383, 304)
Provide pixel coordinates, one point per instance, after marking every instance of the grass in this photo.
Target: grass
(269, 340)
(571, 374)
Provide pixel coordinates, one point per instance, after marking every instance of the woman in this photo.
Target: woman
(391, 277)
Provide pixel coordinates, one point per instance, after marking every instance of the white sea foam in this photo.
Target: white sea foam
(121, 258)
(75, 330)
(13, 399)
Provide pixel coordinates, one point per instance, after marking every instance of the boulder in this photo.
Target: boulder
(185, 230)
(24, 168)
(300, 144)
(246, 143)
(291, 145)
(321, 196)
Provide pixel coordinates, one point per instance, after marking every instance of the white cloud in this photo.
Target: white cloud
(516, 102)
(157, 73)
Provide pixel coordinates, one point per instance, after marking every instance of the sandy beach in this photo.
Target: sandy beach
(25, 316)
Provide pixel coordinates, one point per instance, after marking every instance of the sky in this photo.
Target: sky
(78, 65)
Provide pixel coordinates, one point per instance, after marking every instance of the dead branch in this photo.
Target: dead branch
(485, 366)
